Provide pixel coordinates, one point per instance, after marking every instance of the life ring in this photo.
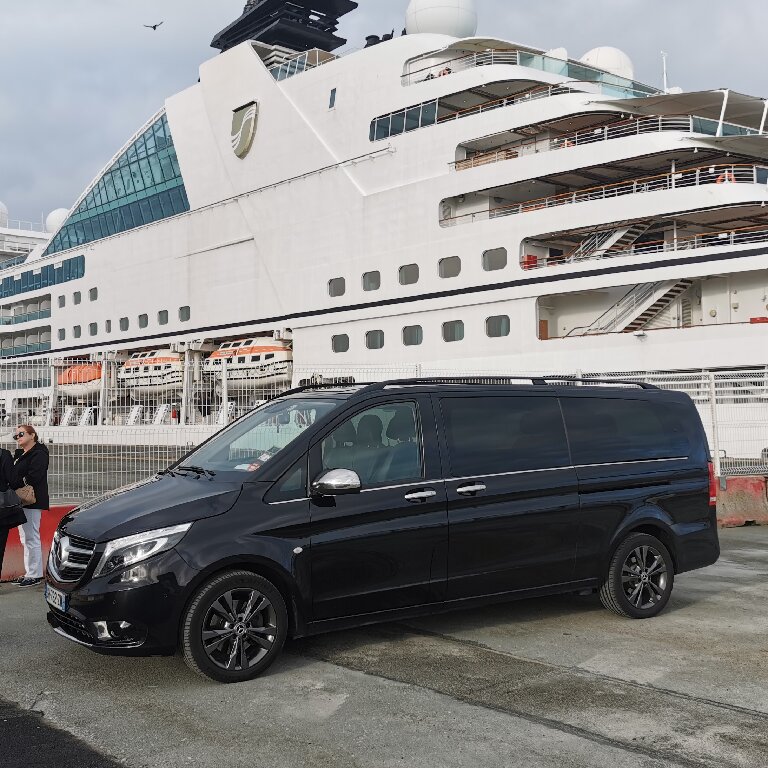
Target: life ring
(726, 178)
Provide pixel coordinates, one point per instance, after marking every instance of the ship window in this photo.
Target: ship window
(397, 124)
(184, 314)
(146, 369)
(240, 359)
(77, 331)
(76, 297)
(413, 335)
(409, 274)
(108, 326)
(255, 358)
(412, 118)
(123, 323)
(495, 259)
(157, 367)
(429, 113)
(450, 267)
(453, 330)
(337, 287)
(374, 339)
(143, 321)
(62, 301)
(162, 317)
(93, 294)
(269, 357)
(340, 343)
(93, 328)
(382, 128)
(372, 281)
(62, 334)
(497, 326)
(167, 366)
(332, 100)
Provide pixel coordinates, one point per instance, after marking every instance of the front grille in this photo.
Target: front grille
(72, 626)
(70, 556)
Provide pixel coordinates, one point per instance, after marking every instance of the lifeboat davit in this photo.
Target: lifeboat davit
(152, 375)
(80, 381)
(252, 364)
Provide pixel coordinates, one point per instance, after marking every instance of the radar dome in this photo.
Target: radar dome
(611, 60)
(55, 219)
(457, 18)
(3, 215)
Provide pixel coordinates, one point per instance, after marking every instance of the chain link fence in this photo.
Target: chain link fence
(107, 423)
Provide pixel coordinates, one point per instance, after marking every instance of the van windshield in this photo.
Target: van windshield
(249, 444)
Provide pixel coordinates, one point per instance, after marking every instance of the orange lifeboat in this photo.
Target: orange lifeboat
(80, 380)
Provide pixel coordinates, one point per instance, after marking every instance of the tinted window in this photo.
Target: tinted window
(453, 330)
(337, 286)
(409, 274)
(450, 267)
(340, 343)
(495, 259)
(608, 430)
(372, 281)
(413, 335)
(488, 435)
(497, 326)
(381, 444)
(374, 339)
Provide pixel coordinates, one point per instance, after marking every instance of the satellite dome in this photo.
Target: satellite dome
(457, 18)
(55, 219)
(611, 60)
(3, 215)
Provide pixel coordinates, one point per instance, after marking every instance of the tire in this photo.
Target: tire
(220, 640)
(637, 589)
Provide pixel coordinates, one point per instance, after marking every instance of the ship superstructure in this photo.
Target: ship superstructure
(459, 203)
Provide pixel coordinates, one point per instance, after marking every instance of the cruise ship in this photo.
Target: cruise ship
(434, 201)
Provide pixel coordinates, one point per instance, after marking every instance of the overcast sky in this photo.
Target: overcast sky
(79, 77)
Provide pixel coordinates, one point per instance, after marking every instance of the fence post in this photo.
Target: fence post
(224, 391)
(102, 413)
(53, 396)
(715, 430)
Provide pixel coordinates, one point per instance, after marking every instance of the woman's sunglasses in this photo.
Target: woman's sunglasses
(19, 435)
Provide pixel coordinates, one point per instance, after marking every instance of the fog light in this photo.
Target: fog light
(113, 630)
(134, 575)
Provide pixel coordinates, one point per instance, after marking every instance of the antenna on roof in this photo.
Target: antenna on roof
(664, 68)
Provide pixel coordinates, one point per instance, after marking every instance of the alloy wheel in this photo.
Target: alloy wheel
(644, 577)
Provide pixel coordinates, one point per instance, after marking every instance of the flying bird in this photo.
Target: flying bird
(153, 26)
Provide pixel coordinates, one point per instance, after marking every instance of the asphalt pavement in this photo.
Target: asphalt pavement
(551, 682)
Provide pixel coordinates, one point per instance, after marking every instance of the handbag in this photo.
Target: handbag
(9, 499)
(26, 495)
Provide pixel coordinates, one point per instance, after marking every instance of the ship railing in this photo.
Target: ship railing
(25, 317)
(23, 226)
(570, 70)
(301, 63)
(724, 238)
(685, 178)
(623, 129)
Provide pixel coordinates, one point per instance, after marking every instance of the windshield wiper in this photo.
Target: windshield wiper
(167, 472)
(199, 471)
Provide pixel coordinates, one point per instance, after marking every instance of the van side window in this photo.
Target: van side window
(611, 430)
(292, 485)
(381, 444)
(489, 435)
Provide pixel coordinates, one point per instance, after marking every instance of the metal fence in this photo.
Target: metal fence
(105, 429)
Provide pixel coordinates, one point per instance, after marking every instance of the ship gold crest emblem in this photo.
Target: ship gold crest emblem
(244, 128)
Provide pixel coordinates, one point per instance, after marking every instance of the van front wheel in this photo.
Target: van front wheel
(639, 579)
(234, 627)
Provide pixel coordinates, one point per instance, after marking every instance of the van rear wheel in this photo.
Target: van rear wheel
(639, 579)
(234, 627)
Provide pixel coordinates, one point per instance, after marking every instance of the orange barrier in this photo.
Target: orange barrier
(13, 563)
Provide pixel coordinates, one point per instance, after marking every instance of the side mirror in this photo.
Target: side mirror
(336, 482)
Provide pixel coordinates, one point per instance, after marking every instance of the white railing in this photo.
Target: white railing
(87, 461)
(459, 64)
(684, 242)
(623, 129)
(23, 226)
(689, 177)
(301, 63)
(622, 310)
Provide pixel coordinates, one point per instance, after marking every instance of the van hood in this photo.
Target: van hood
(157, 502)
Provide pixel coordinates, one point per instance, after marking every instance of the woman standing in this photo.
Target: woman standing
(31, 468)
(10, 517)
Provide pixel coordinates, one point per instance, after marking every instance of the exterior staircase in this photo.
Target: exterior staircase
(658, 306)
(600, 243)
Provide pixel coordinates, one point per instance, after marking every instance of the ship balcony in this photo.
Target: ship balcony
(491, 204)
(27, 342)
(303, 62)
(447, 62)
(550, 138)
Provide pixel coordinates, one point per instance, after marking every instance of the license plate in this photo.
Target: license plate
(56, 598)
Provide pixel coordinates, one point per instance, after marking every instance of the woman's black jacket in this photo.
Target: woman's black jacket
(32, 467)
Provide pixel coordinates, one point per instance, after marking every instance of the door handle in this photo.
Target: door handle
(420, 495)
(468, 490)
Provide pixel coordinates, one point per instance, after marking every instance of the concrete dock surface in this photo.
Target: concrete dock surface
(550, 682)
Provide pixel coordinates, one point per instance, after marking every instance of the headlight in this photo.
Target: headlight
(121, 553)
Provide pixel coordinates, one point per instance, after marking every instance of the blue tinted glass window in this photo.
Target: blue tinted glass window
(143, 185)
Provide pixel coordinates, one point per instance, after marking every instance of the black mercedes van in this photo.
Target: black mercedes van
(337, 506)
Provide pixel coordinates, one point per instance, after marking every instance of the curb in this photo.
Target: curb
(13, 563)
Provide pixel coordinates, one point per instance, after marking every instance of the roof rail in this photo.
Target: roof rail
(368, 386)
(535, 380)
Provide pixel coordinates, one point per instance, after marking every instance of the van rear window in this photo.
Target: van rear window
(610, 430)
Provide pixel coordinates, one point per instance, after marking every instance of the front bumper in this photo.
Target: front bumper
(115, 615)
